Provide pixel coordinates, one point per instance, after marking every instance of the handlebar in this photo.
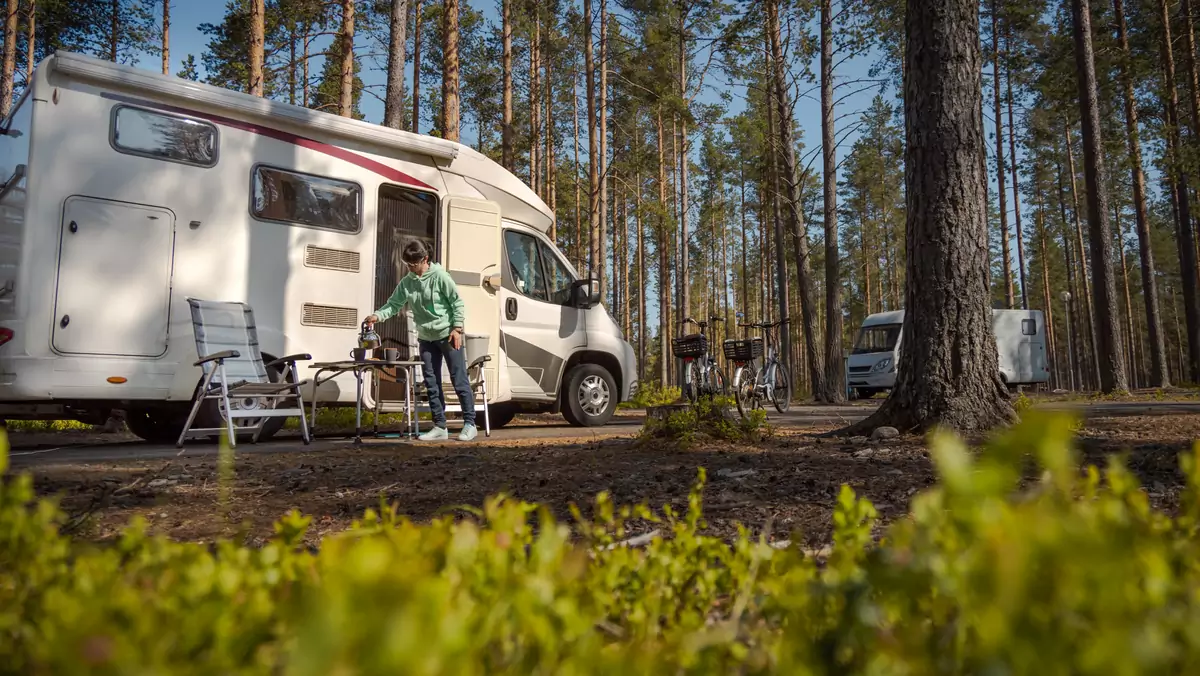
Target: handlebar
(764, 325)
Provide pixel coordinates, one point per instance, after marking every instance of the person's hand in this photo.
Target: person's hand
(371, 320)
(456, 338)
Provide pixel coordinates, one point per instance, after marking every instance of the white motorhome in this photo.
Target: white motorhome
(1020, 343)
(125, 192)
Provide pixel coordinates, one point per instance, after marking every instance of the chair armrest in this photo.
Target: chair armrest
(479, 361)
(291, 358)
(220, 356)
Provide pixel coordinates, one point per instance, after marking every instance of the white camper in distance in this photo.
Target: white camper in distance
(1020, 342)
(125, 192)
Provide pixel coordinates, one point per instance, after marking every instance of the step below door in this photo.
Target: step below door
(114, 279)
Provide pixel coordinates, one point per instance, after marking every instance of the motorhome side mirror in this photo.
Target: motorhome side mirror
(585, 293)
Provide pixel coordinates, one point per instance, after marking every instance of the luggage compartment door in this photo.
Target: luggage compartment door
(113, 293)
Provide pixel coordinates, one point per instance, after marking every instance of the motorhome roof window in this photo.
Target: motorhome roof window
(880, 338)
(145, 133)
(304, 199)
(1029, 327)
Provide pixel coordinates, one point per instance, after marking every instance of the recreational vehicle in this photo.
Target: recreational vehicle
(1020, 343)
(125, 192)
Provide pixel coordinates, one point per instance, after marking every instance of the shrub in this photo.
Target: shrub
(708, 419)
(1075, 573)
(651, 394)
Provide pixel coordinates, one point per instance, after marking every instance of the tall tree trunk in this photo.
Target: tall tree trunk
(776, 287)
(1043, 257)
(416, 93)
(682, 160)
(550, 161)
(594, 224)
(304, 63)
(949, 369)
(641, 259)
(1187, 251)
(114, 35)
(31, 39)
(603, 164)
(346, 51)
(292, 80)
(393, 107)
(506, 126)
(450, 70)
(257, 19)
(578, 199)
(1108, 332)
(1005, 253)
(793, 210)
(10, 58)
(1158, 373)
(1075, 347)
(1092, 339)
(1131, 361)
(745, 299)
(166, 33)
(835, 372)
(664, 269)
(534, 103)
(1012, 153)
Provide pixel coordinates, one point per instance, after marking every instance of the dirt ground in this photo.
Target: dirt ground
(790, 481)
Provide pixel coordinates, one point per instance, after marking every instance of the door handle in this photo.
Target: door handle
(510, 308)
(74, 227)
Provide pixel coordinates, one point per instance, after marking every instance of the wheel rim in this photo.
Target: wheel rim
(594, 395)
(246, 404)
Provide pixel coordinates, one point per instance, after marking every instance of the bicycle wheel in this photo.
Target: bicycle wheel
(743, 389)
(692, 383)
(781, 394)
(716, 382)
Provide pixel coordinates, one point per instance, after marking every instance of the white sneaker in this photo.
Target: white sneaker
(435, 434)
(468, 432)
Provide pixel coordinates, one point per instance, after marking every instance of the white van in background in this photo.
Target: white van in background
(1020, 343)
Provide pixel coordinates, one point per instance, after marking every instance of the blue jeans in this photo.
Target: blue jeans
(432, 353)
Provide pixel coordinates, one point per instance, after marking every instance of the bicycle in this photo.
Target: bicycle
(702, 376)
(751, 385)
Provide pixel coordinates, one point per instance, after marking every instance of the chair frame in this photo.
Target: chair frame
(223, 391)
(482, 391)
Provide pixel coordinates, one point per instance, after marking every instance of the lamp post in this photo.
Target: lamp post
(1066, 299)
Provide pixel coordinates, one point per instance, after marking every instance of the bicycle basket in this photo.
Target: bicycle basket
(695, 345)
(743, 350)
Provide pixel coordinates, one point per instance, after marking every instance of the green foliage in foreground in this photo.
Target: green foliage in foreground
(652, 394)
(1074, 574)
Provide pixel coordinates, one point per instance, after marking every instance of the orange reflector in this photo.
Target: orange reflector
(116, 380)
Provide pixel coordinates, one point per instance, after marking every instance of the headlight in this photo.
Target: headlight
(882, 365)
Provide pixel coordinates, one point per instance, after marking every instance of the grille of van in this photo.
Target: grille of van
(331, 259)
(330, 316)
(860, 369)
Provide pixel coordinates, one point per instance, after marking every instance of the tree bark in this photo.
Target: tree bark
(31, 40)
(450, 70)
(416, 97)
(578, 198)
(1012, 153)
(641, 260)
(685, 301)
(794, 213)
(506, 125)
(257, 18)
(1158, 369)
(346, 49)
(1092, 339)
(745, 299)
(1005, 253)
(10, 58)
(1108, 332)
(835, 372)
(949, 369)
(1184, 239)
(594, 225)
(602, 168)
(779, 288)
(664, 269)
(1043, 256)
(535, 41)
(393, 113)
(166, 33)
(114, 35)
(550, 161)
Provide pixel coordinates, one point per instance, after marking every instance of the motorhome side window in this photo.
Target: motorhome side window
(524, 260)
(165, 137)
(1029, 327)
(305, 199)
(557, 275)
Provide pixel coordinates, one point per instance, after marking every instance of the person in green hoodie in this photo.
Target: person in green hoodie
(439, 314)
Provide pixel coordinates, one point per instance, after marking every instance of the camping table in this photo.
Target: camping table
(358, 368)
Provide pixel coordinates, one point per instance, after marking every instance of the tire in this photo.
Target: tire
(743, 385)
(782, 396)
(210, 415)
(717, 383)
(596, 387)
(498, 415)
(692, 384)
(156, 425)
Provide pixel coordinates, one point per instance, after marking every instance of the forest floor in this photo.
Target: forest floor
(789, 480)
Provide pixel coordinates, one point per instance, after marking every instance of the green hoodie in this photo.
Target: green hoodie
(434, 300)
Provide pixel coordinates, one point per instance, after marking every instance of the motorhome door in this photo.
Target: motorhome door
(541, 327)
(473, 256)
(114, 278)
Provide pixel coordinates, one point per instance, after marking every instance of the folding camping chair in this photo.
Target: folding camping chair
(227, 344)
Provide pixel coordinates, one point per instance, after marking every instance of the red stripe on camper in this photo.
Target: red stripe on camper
(367, 163)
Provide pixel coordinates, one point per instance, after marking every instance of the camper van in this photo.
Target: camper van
(1020, 342)
(125, 192)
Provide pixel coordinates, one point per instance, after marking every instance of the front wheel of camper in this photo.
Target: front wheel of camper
(157, 426)
(591, 396)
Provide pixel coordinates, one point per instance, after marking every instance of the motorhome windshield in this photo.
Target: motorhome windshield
(881, 338)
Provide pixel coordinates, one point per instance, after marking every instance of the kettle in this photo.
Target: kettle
(368, 338)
